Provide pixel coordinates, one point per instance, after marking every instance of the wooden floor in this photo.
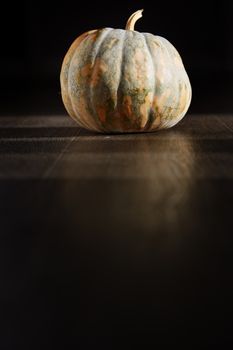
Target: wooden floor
(104, 236)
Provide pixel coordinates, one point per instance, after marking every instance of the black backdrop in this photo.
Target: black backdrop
(37, 34)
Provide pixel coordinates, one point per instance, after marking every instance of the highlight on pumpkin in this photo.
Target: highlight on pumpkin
(115, 80)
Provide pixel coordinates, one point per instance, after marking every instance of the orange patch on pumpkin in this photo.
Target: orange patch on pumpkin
(101, 113)
(127, 103)
(99, 68)
(156, 122)
(86, 70)
(145, 107)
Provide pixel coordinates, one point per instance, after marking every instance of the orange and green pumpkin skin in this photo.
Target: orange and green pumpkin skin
(115, 80)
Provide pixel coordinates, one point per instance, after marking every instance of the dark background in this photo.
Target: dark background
(37, 34)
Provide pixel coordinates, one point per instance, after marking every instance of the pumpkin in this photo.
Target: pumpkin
(115, 80)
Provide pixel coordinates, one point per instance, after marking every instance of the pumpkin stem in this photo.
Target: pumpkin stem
(133, 19)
